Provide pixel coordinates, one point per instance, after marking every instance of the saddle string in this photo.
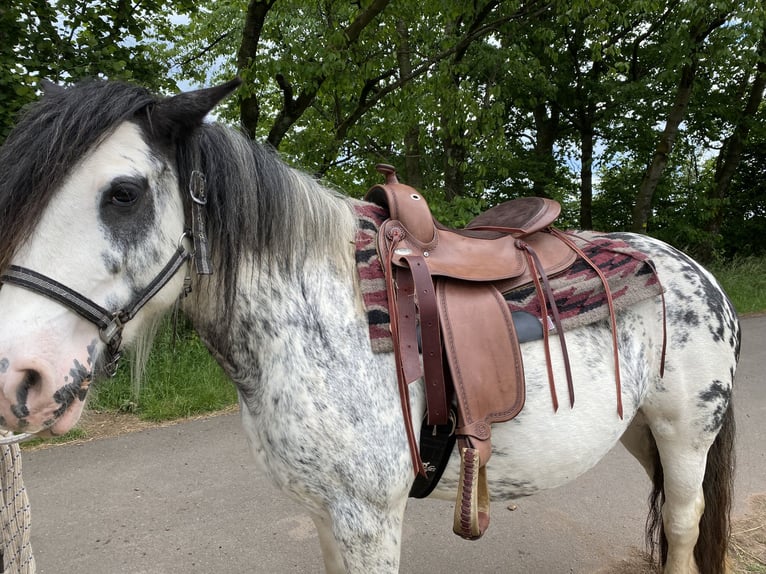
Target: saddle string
(610, 305)
(537, 265)
(565, 236)
(546, 336)
(612, 315)
(546, 298)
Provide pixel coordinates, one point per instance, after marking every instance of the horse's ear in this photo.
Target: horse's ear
(181, 114)
(50, 88)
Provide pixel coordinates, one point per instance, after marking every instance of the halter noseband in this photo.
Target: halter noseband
(111, 323)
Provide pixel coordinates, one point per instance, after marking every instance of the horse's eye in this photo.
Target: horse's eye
(124, 193)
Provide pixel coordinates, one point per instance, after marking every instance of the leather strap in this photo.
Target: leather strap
(198, 194)
(433, 363)
(34, 281)
(403, 373)
(436, 444)
(612, 317)
(534, 263)
(405, 287)
(471, 518)
(406, 324)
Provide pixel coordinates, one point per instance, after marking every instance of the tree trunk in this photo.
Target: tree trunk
(587, 136)
(731, 152)
(698, 34)
(249, 106)
(412, 152)
(547, 128)
(293, 107)
(653, 173)
(454, 173)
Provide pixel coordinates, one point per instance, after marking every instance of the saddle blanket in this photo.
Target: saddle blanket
(578, 291)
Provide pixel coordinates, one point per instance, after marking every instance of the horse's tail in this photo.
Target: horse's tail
(711, 550)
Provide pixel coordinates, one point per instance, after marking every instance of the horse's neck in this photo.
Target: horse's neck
(280, 326)
(278, 311)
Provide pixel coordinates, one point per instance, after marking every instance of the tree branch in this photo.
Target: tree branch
(205, 50)
(297, 106)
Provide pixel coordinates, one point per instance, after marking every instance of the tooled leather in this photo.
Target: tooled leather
(524, 215)
(404, 360)
(433, 365)
(450, 253)
(477, 325)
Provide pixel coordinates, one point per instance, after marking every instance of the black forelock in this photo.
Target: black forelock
(52, 135)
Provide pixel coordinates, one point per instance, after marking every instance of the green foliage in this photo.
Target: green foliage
(456, 213)
(682, 208)
(744, 224)
(68, 40)
(744, 280)
(503, 97)
(181, 380)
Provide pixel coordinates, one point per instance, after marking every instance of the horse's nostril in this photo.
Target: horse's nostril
(31, 378)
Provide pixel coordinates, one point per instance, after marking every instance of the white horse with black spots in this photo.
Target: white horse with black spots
(94, 208)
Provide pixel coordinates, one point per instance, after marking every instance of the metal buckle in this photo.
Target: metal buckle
(110, 367)
(197, 190)
(112, 331)
(185, 237)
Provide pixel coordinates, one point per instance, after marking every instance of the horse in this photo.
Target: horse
(111, 197)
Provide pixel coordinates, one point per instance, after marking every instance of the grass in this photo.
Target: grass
(181, 380)
(74, 434)
(744, 280)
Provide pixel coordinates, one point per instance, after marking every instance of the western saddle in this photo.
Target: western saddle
(446, 285)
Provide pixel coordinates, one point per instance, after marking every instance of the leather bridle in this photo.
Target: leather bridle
(111, 323)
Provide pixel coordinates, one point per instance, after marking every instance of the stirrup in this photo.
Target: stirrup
(472, 504)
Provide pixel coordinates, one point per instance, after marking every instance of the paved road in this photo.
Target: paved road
(187, 499)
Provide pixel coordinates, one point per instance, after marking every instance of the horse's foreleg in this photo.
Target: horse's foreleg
(333, 559)
(357, 538)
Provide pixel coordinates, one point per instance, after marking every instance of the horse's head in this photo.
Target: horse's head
(92, 216)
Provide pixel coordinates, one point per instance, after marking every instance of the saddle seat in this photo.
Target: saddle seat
(488, 249)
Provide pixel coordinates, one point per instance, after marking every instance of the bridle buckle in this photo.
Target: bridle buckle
(112, 331)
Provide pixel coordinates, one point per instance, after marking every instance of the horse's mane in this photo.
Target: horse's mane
(260, 211)
(50, 138)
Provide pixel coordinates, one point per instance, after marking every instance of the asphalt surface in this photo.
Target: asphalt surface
(188, 498)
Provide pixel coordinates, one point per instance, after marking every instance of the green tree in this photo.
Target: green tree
(474, 102)
(688, 47)
(68, 40)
